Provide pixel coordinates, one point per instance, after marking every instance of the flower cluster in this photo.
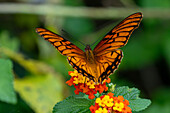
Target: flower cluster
(110, 104)
(85, 85)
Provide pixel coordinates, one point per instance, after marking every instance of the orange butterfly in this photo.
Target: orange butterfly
(99, 63)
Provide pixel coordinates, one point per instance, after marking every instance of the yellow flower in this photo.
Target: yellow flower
(75, 73)
(118, 106)
(106, 98)
(78, 78)
(76, 81)
(107, 101)
(99, 101)
(100, 110)
(91, 84)
(81, 78)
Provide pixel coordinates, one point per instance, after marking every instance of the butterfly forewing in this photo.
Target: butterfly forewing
(75, 56)
(119, 35)
(106, 53)
(64, 46)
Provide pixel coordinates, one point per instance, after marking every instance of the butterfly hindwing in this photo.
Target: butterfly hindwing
(64, 46)
(108, 63)
(81, 66)
(119, 35)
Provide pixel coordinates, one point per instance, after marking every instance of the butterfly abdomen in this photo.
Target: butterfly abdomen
(91, 62)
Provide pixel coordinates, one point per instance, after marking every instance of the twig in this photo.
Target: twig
(88, 12)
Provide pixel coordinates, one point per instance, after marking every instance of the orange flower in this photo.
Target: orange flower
(70, 82)
(94, 108)
(77, 90)
(85, 88)
(85, 85)
(110, 94)
(91, 96)
(70, 72)
(110, 104)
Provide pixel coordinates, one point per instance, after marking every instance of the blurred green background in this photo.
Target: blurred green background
(39, 72)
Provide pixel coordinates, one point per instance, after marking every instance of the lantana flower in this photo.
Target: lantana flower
(110, 104)
(85, 85)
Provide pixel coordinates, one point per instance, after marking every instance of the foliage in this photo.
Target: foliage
(82, 104)
(7, 93)
(73, 105)
(44, 90)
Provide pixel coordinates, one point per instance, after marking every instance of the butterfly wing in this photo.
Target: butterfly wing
(105, 65)
(64, 46)
(81, 65)
(75, 56)
(108, 63)
(108, 57)
(119, 35)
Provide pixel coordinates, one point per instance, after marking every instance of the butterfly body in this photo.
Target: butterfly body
(89, 55)
(99, 63)
(91, 62)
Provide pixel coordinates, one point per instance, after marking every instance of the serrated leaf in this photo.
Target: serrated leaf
(139, 104)
(126, 92)
(7, 93)
(73, 105)
(132, 95)
(40, 92)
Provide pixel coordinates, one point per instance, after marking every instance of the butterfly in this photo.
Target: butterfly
(99, 63)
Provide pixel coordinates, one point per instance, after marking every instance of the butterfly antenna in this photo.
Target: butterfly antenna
(105, 28)
(95, 41)
(69, 35)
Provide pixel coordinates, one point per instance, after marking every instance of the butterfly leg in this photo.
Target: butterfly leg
(85, 81)
(99, 80)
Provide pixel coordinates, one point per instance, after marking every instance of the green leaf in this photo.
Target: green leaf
(161, 101)
(7, 93)
(139, 104)
(126, 92)
(73, 105)
(132, 95)
(40, 92)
